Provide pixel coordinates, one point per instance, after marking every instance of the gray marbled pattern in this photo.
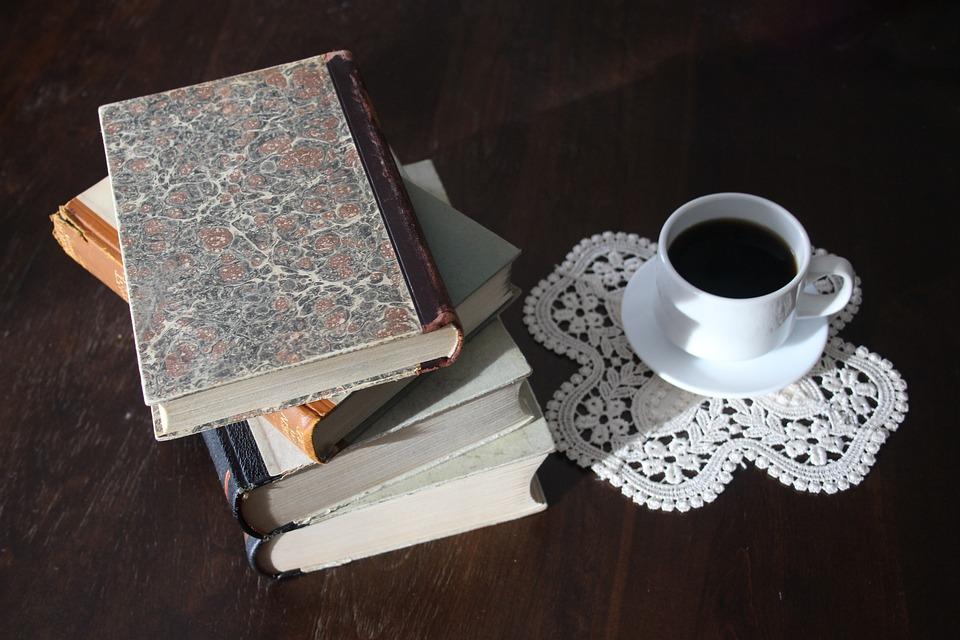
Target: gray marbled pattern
(250, 234)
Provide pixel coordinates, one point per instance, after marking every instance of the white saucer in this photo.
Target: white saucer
(770, 372)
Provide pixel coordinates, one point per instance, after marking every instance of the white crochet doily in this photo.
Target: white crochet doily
(670, 449)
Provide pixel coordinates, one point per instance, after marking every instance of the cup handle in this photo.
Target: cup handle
(811, 305)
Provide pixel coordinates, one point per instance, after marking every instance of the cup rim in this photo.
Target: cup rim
(803, 258)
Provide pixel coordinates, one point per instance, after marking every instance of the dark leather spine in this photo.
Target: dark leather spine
(239, 466)
(253, 546)
(429, 294)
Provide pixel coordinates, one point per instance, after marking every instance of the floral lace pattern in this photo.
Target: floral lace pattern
(670, 449)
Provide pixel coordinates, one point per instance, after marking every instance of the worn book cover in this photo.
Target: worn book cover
(271, 253)
(86, 229)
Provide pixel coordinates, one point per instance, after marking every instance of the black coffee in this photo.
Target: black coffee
(732, 258)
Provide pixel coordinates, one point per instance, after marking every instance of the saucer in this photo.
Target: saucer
(741, 379)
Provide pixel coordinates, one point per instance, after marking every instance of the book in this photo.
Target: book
(490, 484)
(474, 263)
(271, 254)
(455, 409)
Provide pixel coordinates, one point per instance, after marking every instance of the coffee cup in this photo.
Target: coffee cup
(733, 274)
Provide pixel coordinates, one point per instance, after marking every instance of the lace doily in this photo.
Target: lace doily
(670, 449)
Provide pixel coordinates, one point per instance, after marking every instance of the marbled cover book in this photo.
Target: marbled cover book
(251, 236)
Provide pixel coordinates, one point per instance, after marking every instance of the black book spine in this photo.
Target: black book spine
(239, 466)
(253, 546)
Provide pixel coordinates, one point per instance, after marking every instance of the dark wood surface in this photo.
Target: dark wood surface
(548, 122)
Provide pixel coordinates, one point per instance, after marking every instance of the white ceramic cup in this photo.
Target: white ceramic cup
(718, 328)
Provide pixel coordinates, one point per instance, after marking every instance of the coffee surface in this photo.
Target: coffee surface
(732, 258)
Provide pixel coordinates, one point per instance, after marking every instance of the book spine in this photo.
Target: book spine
(420, 271)
(239, 466)
(298, 423)
(253, 546)
(225, 467)
(89, 251)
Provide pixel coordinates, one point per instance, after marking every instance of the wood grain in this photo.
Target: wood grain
(548, 122)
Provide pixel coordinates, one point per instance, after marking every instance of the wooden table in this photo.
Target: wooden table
(548, 122)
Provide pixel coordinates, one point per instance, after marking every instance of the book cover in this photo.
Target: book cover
(271, 485)
(474, 262)
(271, 254)
(493, 483)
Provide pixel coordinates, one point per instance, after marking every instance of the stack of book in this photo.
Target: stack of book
(324, 318)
